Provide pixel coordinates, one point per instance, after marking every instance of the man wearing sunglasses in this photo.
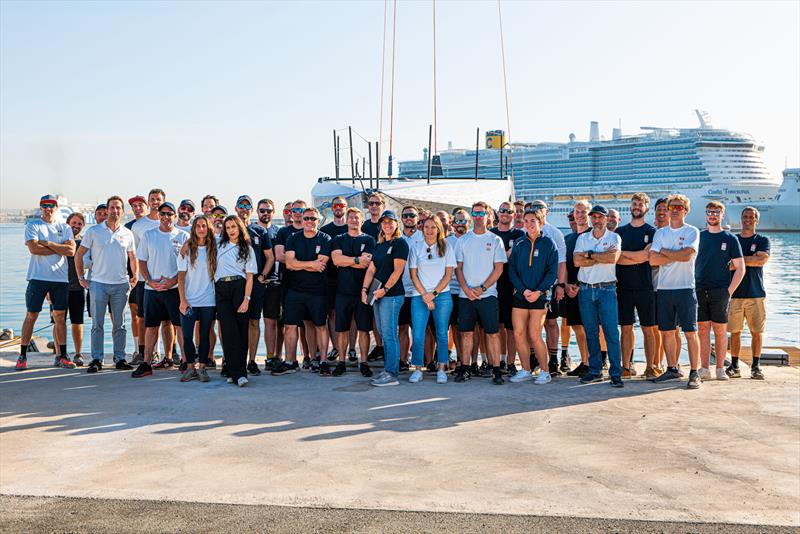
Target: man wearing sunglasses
(273, 334)
(307, 254)
(460, 227)
(506, 231)
(49, 243)
(719, 269)
(336, 227)
(480, 256)
(375, 205)
(409, 216)
(674, 249)
(262, 248)
(185, 213)
(218, 214)
(157, 254)
(287, 214)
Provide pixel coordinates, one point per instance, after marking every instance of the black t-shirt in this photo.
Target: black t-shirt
(372, 229)
(508, 237)
(333, 230)
(385, 254)
(129, 226)
(308, 249)
(259, 242)
(752, 285)
(280, 239)
(72, 274)
(637, 277)
(572, 271)
(351, 280)
(712, 265)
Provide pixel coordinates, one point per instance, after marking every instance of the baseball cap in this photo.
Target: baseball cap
(244, 197)
(540, 203)
(169, 205)
(187, 202)
(136, 198)
(101, 206)
(390, 214)
(221, 208)
(599, 209)
(48, 199)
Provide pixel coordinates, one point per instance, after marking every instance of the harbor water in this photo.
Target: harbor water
(782, 277)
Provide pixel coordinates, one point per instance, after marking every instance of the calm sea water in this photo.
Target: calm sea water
(782, 279)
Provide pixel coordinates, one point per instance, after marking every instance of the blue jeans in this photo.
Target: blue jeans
(443, 305)
(599, 307)
(387, 315)
(117, 296)
(206, 316)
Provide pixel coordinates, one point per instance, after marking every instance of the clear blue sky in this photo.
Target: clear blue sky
(100, 98)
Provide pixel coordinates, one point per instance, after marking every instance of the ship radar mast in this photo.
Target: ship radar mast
(704, 118)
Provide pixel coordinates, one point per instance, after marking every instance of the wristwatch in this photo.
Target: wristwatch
(247, 297)
(356, 260)
(483, 287)
(435, 293)
(589, 254)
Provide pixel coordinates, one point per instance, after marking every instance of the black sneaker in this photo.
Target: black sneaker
(96, 366)
(666, 375)
(306, 363)
(341, 369)
(252, 368)
(183, 366)
(497, 379)
(590, 378)
(566, 361)
(733, 372)
(375, 354)
(351, 355)
(144, 369)
(324, 369)
(123, 365)
(365, 370)
(403, 368)
(694, 380)
(552, 368)
(476, 371)
(283, 369)
(511, 370)
(224, 372)
(315, 365)
(581, 370)
(503, 367)
(462, 374)
(333, 355)
(616, 382)
(484, 366)
(431, 368)
(756, 374)
(212, 364)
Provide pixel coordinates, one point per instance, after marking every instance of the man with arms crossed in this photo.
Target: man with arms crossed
(111, 247)
(673, 252)
(336, 227)
(273, 334)
(719, 254)
(571, 308)
(748, 301)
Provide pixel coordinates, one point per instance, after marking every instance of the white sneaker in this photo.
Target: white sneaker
(521, 376)
(721, 375)
(542, 379)
(441, 377)
(242, 382)
(415, 377)
(704, 373)
(229, 380)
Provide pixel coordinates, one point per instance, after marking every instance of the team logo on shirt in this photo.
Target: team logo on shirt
(724, 246)
(536, 253)
(255, 240)
(753, 247)
(488, 247)
(318, 249)
(389, 251)
(646, 238)
(362, 246)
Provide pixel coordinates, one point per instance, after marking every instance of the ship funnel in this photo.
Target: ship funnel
(594, 131)
(572, 138)
(616, 133)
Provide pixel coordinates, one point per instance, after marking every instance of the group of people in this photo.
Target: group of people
(486, 281)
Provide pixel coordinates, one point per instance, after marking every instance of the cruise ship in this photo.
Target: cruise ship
(703, 163)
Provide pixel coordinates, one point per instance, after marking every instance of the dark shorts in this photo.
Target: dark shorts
(272, 302)
(485, 310)
(405, 312)
(712, 305)
(523, 304)
(76, 303)
(677, 307)
(454, 313)
(570, 309)
(139, 298)
(349, 307)
(305, 306)
(505, 301)
(642, 302)
(133, 295)
(160, 306)
(553, 306)
(331, 299)
(256, 301)
(37, 290)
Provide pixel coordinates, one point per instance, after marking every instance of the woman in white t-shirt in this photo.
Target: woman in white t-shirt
(431, 265)
(197, 262)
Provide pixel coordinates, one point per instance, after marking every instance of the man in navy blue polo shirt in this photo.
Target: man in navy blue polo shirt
(336, 227)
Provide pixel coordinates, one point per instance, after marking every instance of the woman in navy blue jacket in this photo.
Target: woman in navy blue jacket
(532, 269)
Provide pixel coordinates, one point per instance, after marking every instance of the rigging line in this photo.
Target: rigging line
(505, 88)
(391, 98)
(383, 70)
(435, 129)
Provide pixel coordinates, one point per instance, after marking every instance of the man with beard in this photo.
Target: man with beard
(101, 213)
(185, 213)
(138, 206)
(262, 248)
(218, 214)
(208, 203)
(409, 216)
(635, 294)
(273, 334)
(661, 220)
(519, 215)
(372, 227)
(336, 227)
(613, 219)
(76, 304)
(571, 309)
(505, 230)
(460, 228)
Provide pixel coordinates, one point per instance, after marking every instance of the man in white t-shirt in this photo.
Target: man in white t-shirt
(409, 217)
(674, 249)
(49, 243)
(480, 255)
(596, 254)
(111, 246)
(460, 227)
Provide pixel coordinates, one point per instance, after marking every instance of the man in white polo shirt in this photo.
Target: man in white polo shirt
(110, 245)
(596, 253)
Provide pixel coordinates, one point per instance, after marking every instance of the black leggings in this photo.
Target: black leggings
(233, 326)
(205, 316)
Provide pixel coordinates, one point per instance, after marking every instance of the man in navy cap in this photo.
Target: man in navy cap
(218, 214)
(186, 211)
(101, 213)
(596, 253)
(49, 242)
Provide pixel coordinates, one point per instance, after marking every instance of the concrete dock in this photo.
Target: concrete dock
(727, 453)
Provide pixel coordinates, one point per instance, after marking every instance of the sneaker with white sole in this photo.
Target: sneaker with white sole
(721, 375)
(229, 380)
(416, 376)
(542, 379)
(242, 382)
(704, 373)
(441, 377)
(521, 376)
(385, 379)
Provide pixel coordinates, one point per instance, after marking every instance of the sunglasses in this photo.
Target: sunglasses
(338, 206)
(218, 216)
(504, 210)
(244, 206)
(265, 210)
(166, 214)
(310, 218)
(460, 222)
(375, 203)
(713, 212)
(298, 210)
(677, 207)
(430, 256)
(479, 213)
(48, 206)
(186, 208)
(409, 215)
